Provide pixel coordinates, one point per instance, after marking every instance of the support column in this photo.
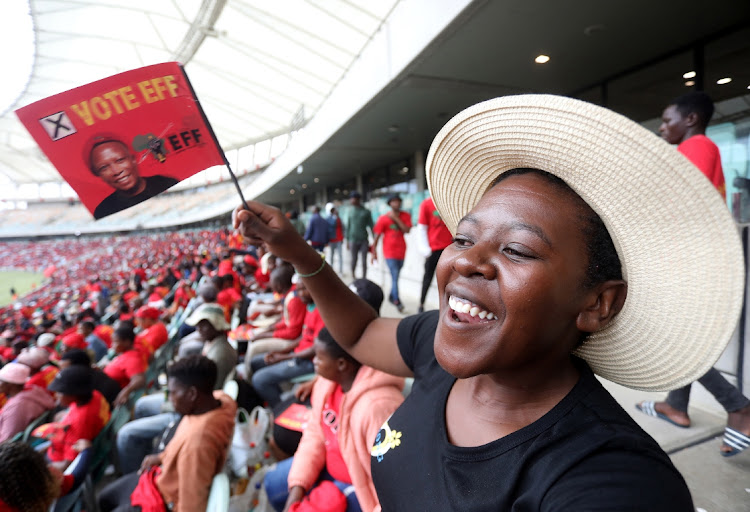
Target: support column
(419, 174)
(358, 184)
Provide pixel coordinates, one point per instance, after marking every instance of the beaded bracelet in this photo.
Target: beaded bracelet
(323, 264)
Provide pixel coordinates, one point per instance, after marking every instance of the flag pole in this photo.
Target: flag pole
(213, 136)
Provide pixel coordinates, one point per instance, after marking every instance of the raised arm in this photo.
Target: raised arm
(351, 321)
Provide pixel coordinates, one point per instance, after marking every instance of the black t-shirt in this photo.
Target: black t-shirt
(584, 454)
(117, 201)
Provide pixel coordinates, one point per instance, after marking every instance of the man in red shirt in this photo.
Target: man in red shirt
(684, 122)
(273, 368)
(128, 368)
(154, 333)
(434, 237)
(229, 298)
(392, 227)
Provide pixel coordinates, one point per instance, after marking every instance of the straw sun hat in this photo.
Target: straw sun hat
(678, 245)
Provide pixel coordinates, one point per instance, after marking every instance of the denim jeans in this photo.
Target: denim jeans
(394, 266)
(267, 379)
(357, 250)
(135, 439)
(336, 249)
(727, 395)
(277, 490)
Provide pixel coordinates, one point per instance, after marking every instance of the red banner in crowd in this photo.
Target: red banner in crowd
(126, 138)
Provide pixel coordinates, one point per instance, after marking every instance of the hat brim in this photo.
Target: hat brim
(220, 324)
(679, 247)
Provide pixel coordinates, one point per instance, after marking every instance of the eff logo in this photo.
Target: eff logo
(57, 126)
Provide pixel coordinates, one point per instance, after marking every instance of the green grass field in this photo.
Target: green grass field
(21, 281)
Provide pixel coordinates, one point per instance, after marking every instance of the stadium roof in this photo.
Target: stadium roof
(260, 68)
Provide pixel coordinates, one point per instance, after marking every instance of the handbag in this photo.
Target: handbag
(252, 432)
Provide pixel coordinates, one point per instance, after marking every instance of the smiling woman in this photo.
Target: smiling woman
(563, 265)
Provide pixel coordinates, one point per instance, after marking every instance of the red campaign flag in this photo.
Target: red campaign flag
(126, 138)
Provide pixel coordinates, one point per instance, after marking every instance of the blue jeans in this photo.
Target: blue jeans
(277, 489)
(336, 248)
(135, 439)
(267, 379)
(395, 267)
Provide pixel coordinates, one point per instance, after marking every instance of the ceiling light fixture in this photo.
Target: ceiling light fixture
(304, 185)
(316, 180)
(542, 59)
(689, 74)
(689, 83)
(292, 191)
(300, 169)
(722, 81)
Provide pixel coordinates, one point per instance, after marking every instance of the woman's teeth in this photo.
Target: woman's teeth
(464, 306)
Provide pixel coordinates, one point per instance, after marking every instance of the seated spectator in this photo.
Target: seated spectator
(104, 332)
(350, 402)
(107, 386)
(263, 273)
(182, 297)
(272, 369)
(209, 321)
(287, 330)
(88, 412)
(6, 345)
(93, 342)
(73, 341)
(46, 340)
(179, 478)
(42, 373)
(286, 437)
(135, 439)
(129, 366)
(23, 405)
(153, 332)
(26, 483)
(229, 298)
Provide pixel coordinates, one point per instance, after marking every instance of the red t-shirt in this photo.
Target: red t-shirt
(339, 231)
(149, 340)
(313, 325)
(7, 353)
(81, 422)
(394, 245)
(293, 318)
(227, 298)
(126, 365)
(42, 378)
(129, 295)
(329, 422)
(262, 279)
(105, 333)
(437, 232)
(705, 155)
(183, 295)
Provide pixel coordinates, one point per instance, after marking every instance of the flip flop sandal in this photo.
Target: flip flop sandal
(735, 440)
(647, 408)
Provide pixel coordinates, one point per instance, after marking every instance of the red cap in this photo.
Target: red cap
(74, 340)
(148, 312)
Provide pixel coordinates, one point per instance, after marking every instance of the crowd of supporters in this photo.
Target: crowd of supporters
(81, 345)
